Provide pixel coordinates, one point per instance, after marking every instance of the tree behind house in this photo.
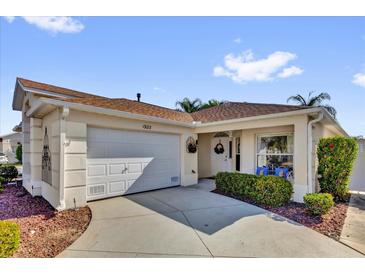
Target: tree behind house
(314, 101)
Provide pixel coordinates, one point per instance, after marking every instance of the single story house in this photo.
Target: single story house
(80, 147)
(9, 143)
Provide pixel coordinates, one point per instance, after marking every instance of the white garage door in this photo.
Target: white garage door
(123, 162)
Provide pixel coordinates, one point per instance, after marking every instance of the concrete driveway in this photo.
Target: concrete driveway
(192, 222)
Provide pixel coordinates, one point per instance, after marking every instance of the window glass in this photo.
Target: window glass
(275, 152)
(275, 144)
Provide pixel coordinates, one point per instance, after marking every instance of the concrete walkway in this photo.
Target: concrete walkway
(353, 232)
(193, 222)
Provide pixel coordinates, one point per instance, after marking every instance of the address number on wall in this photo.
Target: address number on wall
(147, 127)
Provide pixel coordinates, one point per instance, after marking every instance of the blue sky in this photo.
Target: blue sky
(253, 59)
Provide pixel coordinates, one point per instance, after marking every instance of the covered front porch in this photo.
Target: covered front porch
(258, 148)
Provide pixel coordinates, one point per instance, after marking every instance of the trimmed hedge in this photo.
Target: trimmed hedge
(336, 156)
(264, 190)
(318, 203)
(8, 172)
(9, 238)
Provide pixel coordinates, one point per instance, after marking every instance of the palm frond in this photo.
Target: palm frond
(298, 99)
(317, 100)
(331, 110)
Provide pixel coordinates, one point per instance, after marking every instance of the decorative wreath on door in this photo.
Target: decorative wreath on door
(191, 146)
(219, 149)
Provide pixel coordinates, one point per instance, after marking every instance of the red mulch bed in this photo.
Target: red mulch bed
(45, 232)
(330, 224)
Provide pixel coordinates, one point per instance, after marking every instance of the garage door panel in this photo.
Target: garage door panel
(96, 170)
(117, 168)
(117, 187)
(130, 161)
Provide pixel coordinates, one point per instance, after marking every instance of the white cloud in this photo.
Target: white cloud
(244, 68)
(54, 24)
(237, 40)
(10, 19)
(359, 79)
(157, 89)
(287, 72)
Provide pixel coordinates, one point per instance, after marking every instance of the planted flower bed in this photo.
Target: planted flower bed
(273, 194)
(44, 232)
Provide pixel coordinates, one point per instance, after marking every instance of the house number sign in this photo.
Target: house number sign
(147, 127)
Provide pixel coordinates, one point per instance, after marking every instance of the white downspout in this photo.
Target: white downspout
(65, 111)
(310, 152)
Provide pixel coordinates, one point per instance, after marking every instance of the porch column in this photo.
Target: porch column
(247, 155)
(300, 158)
(33, 182)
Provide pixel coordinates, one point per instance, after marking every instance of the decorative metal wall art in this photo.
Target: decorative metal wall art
(46, 160)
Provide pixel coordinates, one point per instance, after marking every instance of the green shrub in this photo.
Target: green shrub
(9, 238)
(2, 181)
(318, 203)
(336, 156)
(19, 153)
(264, 190)
(8, 172)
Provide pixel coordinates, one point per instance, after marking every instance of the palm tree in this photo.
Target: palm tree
(211, 103)
(188, 105)
(314, 101)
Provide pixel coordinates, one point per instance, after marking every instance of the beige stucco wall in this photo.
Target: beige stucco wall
(51, 192)
(204, 151)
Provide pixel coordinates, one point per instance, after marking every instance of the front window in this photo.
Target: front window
(275, 151)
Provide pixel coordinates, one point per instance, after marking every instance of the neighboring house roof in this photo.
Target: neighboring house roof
(19, 127)
(225, 111)
(11, 135)
(234, 110)
(135, 107)
(54, 89)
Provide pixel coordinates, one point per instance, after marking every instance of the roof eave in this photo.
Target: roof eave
(336, 124)
(88, 108)
(266, 116)
(18, 96)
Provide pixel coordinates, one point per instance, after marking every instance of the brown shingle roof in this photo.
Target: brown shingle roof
(234, 110)
(134, 107)
(225, 111)
(46, 87)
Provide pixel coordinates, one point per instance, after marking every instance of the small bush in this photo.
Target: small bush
(2, 181)
(318, 203)
(8, 172)
(264, 190)
(19, 153)
(9, 238)
(336, 156)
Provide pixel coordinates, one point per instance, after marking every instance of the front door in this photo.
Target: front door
(220, 158)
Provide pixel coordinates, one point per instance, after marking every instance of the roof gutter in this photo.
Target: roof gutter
(87, 108)
(259, 117)
(310, 188)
